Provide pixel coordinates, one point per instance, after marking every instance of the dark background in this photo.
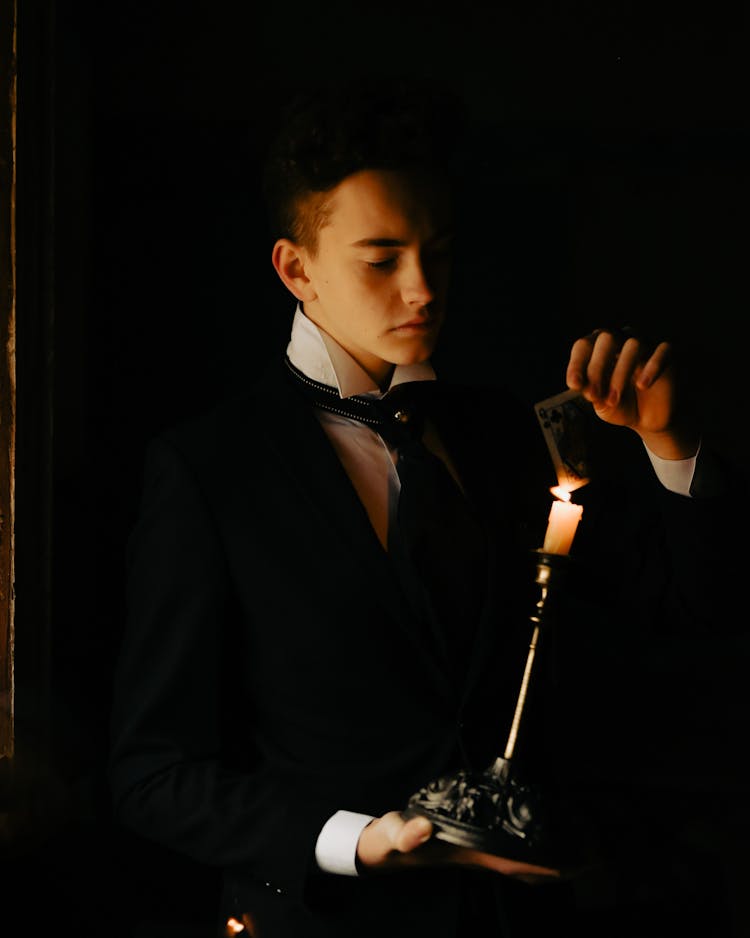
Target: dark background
(610, 186)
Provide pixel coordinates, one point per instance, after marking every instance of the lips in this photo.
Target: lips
(421, 322)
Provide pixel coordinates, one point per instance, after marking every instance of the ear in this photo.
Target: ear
(289, 260)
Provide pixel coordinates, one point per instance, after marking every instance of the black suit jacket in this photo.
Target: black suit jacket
(271, 672)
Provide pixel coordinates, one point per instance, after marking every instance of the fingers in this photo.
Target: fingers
(390, 842)
(577, 375)
(604, 363)
(604, 356)
(626, 364)
(656, 365)
(516, 869)
(389, 835)
(408, 835)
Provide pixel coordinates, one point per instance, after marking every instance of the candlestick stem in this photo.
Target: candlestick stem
(543, 573)
(511, 743)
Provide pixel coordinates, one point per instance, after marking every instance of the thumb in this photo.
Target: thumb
(412, 834)
(391, 835)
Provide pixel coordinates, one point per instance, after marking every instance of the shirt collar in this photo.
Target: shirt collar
(321, 358)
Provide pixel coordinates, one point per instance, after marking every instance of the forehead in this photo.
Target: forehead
(388, 204)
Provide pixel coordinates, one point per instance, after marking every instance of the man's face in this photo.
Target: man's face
(380, 274)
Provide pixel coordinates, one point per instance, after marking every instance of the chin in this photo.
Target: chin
(413, 356)
(413, 351)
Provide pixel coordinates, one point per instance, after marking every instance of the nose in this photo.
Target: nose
(417, 288)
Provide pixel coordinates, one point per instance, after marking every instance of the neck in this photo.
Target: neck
(384, 383)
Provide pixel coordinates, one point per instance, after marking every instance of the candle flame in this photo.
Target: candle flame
(561, 493)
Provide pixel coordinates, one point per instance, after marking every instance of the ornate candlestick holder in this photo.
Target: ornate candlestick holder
(493, 810)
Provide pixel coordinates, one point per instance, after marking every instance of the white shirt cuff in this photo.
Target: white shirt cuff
(336, 847)
(674, 474)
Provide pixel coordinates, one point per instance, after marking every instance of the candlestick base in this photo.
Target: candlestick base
(491, 811)
(495, 812)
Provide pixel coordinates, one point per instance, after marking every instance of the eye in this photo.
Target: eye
(382, 265)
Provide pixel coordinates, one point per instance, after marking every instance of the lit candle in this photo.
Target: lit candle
(563, 521)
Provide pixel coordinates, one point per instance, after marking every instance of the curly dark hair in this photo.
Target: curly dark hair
(330, 132)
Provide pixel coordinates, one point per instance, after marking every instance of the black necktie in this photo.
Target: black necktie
(436, 543)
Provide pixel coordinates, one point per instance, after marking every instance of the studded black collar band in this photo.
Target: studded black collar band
(392, 415)
(327, 397)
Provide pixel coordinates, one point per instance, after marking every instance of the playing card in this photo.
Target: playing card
(563, 421)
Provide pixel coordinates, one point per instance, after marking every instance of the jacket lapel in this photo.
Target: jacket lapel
(304, 452)
(480, 479)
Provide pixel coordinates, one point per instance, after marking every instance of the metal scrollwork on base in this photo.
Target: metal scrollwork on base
(489, 811)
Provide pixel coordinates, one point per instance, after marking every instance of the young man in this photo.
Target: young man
(286, 680)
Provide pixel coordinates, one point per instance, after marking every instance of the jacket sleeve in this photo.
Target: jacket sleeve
(652, 629)
(174, 776)
(666, 559)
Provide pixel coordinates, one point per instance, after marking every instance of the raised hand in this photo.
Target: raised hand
(632, 383)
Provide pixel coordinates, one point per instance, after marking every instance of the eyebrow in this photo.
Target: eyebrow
(378, 243)
(396, 242)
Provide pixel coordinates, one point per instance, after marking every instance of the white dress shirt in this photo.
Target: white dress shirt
(371, 466)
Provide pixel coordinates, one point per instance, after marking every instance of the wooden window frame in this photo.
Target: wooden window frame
(27, 95)
(8, 84)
